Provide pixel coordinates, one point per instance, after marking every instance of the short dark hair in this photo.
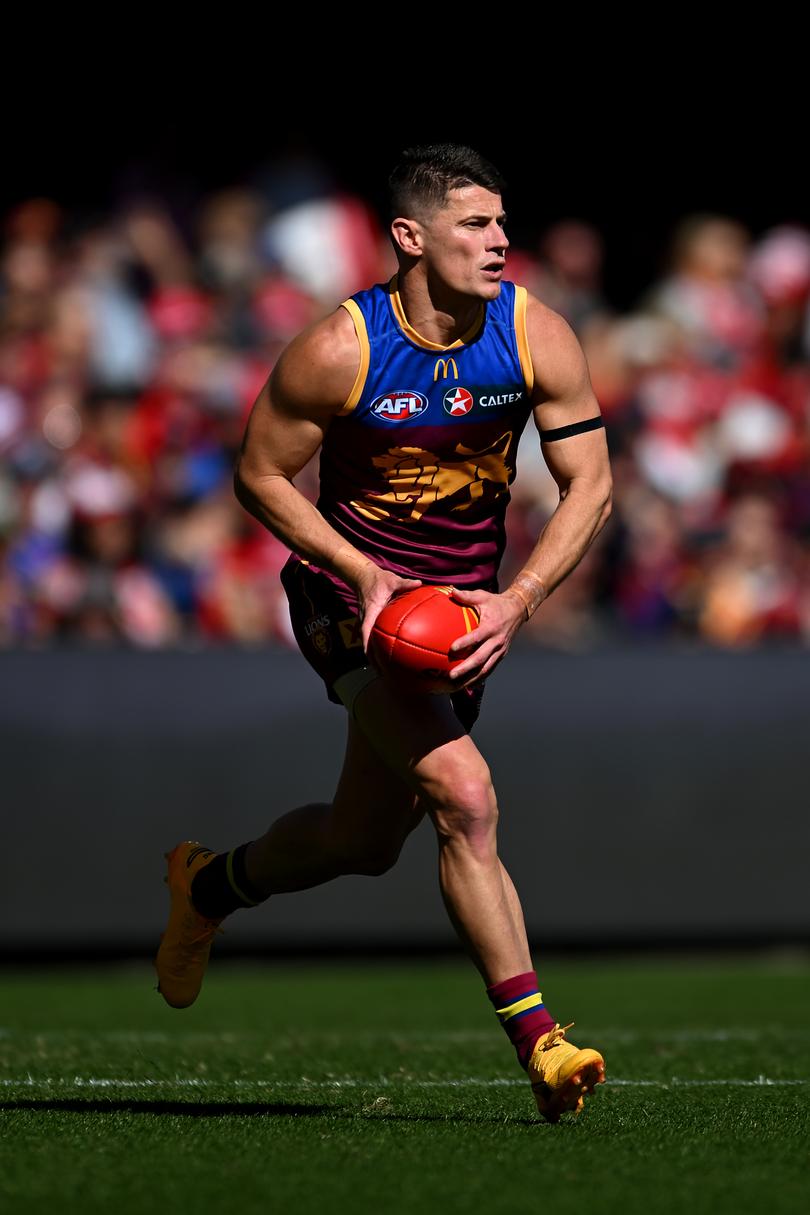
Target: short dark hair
(420, 181)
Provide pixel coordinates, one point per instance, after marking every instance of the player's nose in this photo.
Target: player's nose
(498, 240)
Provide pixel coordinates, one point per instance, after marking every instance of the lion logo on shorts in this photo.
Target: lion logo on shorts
(317, 630)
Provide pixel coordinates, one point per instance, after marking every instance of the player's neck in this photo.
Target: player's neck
(440, 316)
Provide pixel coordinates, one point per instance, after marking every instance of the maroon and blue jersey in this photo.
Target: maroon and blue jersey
(416, 468)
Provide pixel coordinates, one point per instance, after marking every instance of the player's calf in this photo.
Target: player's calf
(364, 861)
(374, 850)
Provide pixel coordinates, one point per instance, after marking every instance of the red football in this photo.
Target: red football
(413, 633)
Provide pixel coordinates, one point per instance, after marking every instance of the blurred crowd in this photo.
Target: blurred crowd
(132, 347)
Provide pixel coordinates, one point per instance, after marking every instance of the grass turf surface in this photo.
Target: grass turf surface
(393, 1088)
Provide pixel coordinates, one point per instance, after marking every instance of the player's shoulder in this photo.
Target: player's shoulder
(321, 363)
(557, 357)
(544, 323)
(328, 344)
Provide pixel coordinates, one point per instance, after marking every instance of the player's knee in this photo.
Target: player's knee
(467, 812)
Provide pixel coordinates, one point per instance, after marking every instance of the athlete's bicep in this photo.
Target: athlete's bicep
(308, 386)
(562, 394)
(281, 435)
(565, 409)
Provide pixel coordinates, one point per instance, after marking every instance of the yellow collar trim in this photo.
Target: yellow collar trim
(409, 331)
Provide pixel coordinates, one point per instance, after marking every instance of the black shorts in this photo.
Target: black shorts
(327, 628)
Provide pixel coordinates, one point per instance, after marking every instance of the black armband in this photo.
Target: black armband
(565, 432)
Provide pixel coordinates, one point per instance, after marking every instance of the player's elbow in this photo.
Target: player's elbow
(241, 484)
(259, 490)
(605, 501)
(246, 484)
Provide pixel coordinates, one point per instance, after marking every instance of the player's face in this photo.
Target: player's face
(465, 244)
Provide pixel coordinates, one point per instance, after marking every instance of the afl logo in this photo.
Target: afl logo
(399, 406)
(457, 401)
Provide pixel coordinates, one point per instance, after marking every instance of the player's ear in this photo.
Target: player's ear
(407, 236)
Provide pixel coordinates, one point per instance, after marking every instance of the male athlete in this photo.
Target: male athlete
(416, 391)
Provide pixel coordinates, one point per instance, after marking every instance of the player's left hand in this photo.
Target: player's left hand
(500, 618)
(375, 588)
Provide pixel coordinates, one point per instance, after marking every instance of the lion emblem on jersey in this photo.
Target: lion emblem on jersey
(419, 479)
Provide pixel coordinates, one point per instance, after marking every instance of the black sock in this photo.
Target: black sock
(222, 886)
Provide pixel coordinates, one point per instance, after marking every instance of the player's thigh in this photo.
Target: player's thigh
(421, 740)
(372, 803)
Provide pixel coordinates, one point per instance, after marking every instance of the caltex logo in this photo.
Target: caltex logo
(457, 401)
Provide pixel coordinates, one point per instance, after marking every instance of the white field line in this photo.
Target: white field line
(97, 1082)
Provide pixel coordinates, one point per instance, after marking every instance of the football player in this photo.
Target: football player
(416, 391)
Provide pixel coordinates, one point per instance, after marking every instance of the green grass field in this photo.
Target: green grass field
(300, 1088)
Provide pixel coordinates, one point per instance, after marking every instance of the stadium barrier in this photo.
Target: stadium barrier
(647, 795)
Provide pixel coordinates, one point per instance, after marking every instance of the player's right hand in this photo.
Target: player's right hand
(500, 617)
(375, 587)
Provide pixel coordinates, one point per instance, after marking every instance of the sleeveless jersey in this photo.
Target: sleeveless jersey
(415, 470)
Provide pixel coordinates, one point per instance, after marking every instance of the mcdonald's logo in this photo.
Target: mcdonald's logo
(444, 366)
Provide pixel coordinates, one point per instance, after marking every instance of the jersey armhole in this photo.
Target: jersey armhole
(365, 353)
(521, 333)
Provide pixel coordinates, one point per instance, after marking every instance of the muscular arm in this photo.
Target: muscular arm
(309, 385)
(562, 395)
(579, 464)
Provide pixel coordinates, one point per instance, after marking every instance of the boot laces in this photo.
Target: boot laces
(555, 1036)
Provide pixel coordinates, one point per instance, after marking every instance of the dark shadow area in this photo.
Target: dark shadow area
(39, 954)
(188, 1109)
(457, 1117)
(247, 1109)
